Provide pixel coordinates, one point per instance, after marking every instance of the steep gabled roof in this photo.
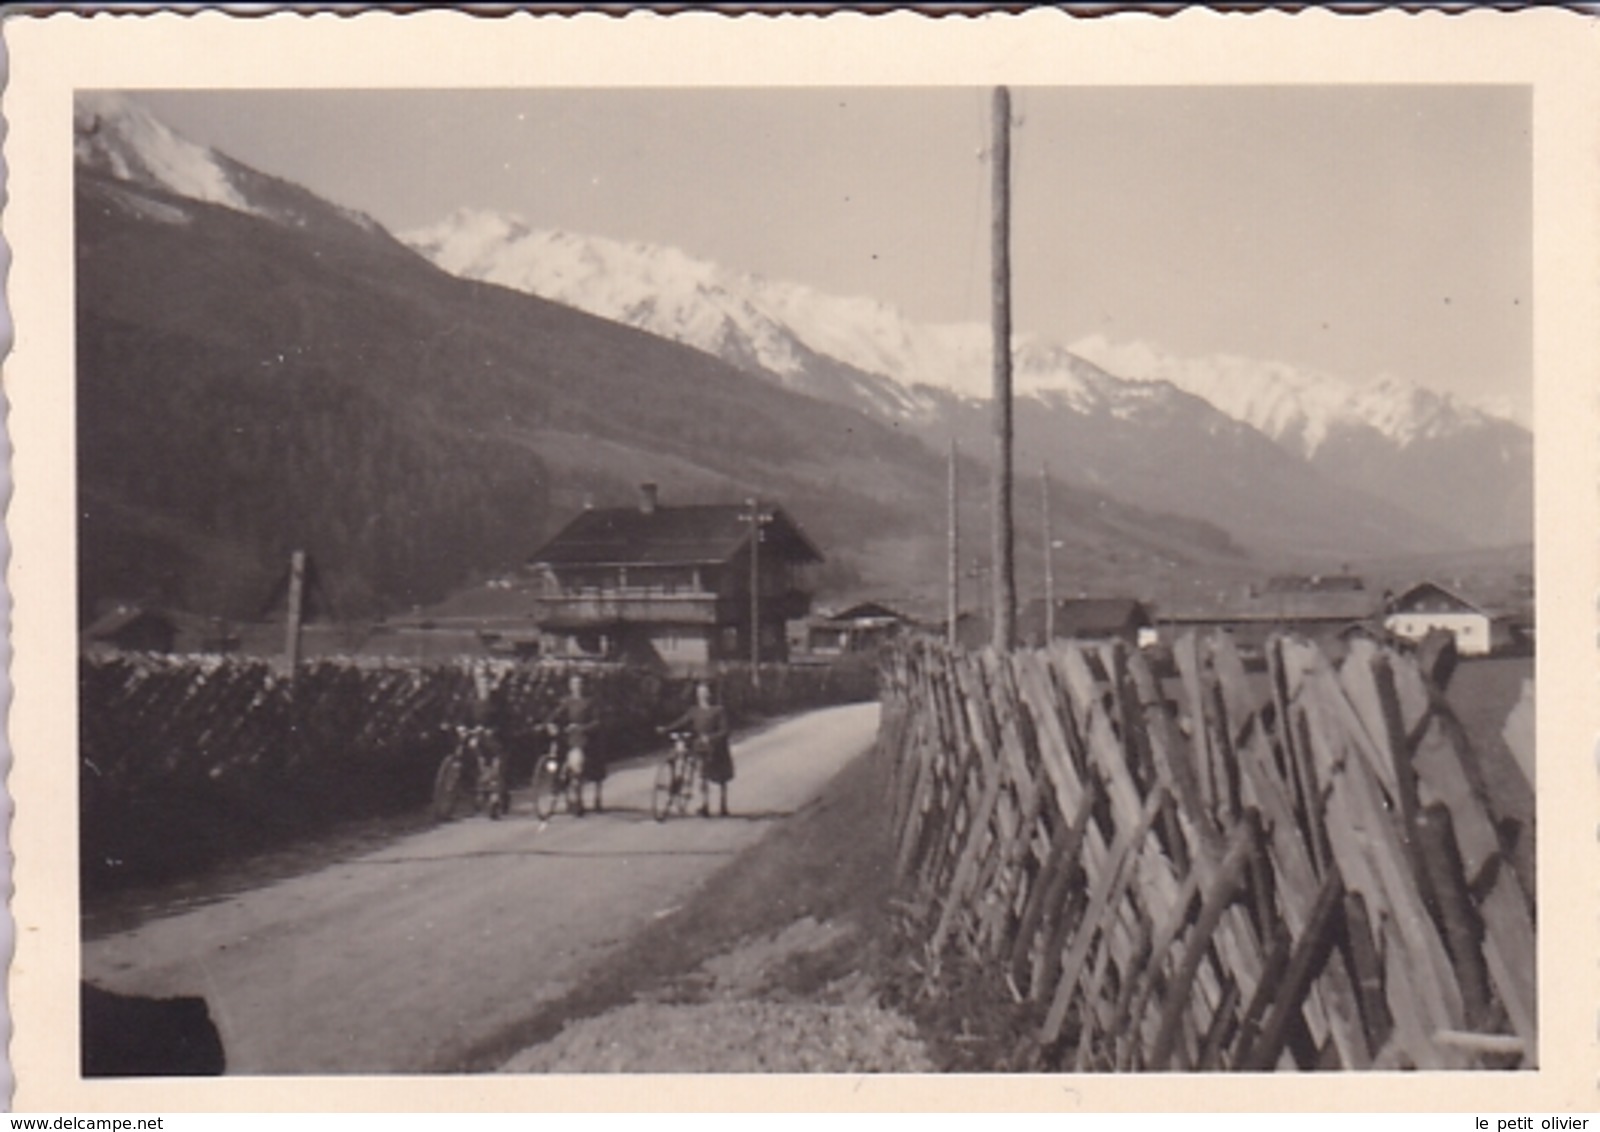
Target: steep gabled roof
(1432, 593)
(869, 611)
(115, 621)
(670, 536)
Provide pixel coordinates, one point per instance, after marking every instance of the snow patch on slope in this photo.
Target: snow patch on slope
(115, 135)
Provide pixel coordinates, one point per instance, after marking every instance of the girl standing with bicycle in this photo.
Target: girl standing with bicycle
(709, 724)
(579, 715)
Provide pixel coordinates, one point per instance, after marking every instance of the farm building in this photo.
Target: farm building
(131, 628)
(136, 628)
(1317, 608)
(1076, 618)
(673, 583)
(1085, 618)
(494, 618)
(861, 627)
(1428, 606)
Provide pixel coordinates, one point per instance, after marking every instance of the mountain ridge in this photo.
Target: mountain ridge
(322, 384)
(286, 389)
(929, 378)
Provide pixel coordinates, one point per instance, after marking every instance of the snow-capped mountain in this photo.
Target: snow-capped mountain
(1298, 407)
(1439, 456)
(1148, 443)
(866, 353)
(784, 330)
(318, 384)
(117, 138)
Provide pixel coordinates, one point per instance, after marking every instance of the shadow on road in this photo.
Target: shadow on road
(735, 816)
(639, 815)
(489, 854)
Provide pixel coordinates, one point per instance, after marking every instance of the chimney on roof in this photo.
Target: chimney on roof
(647, 498)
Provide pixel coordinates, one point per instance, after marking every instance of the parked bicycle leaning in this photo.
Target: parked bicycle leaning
(473, 772)
(708, 723)
(578, 719)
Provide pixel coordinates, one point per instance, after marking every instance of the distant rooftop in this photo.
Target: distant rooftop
(653, 534)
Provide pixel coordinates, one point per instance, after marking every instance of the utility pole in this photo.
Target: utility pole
(1049, 559)
(756, 518)
(1005, 574)
(297, 580)
(953, 590)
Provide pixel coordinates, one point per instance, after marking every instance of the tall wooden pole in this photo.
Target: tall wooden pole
(1049, 558)
(953, 589)
(297, 582)
(755, 593)
(1005, 574)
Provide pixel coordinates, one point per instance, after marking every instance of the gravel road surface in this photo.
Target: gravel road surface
(400, 960)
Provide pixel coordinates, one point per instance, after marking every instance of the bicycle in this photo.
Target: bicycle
(554, 782)
(471, 774)
(677, 778)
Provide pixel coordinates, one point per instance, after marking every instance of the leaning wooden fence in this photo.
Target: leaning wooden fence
(1216, 869)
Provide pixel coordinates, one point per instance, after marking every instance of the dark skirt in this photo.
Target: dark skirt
(719, 763)
(594, 766)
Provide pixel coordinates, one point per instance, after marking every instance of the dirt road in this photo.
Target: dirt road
(399, 960)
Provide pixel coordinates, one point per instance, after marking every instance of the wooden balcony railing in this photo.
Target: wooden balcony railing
(638, 605)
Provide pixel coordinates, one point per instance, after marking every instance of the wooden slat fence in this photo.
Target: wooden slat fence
(1215, 868)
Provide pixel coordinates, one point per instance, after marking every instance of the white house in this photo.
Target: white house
(1429, 606)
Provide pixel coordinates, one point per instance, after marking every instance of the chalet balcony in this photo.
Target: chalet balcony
(645, 606)
(628, 606)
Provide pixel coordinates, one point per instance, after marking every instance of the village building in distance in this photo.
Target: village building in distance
(1319, 607)
(669, 587)
(1429, 607)
(1086, 619)
(130, 628)
(673, 584)
(860, 628)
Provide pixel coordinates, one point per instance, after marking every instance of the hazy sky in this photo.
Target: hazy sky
(1365, 231)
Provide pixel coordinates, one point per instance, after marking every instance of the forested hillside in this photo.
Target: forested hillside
(246, 387)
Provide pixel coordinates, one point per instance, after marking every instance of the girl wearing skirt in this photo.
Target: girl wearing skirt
(708, 722)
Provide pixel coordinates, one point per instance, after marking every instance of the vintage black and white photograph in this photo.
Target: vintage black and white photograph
(412, 423)
(1010, 577)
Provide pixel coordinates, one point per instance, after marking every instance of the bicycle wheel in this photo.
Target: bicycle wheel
(688, 784)
(447, 788)
(546, 789)
(666, 790)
